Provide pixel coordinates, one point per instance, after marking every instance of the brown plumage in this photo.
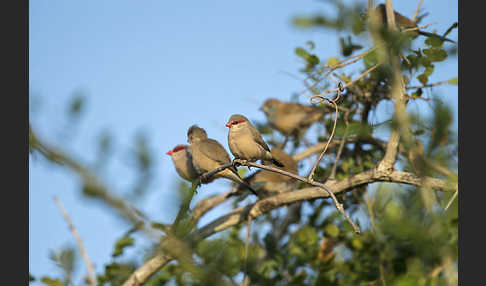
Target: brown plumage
(290, 119)
(270, 183)
(182, 160)
(403, 22)
(207, 155)
(245, 142)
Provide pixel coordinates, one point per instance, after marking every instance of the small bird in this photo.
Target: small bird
(245, 142)
(270, 183)
(182, 160)
(405, 23)
(290, 119)
(207, 155)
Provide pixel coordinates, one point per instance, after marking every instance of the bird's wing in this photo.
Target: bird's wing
(214, 151)
(258, 137)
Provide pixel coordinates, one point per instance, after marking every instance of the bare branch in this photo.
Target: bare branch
(79, 241)
(429, 85)
(398, 94)
(90, 180)
(205, 205)
(150, 267)
(332, 176)
(390, 15)
(311, 174)
(337, 204)
(417, 11)
(451, 200)
(349, 84)
(320, 146)
(238, 215)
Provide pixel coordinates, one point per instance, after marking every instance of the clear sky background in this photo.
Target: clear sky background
(160, 66)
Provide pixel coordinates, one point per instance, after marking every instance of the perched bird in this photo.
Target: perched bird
(207, 155)
(270, 183)
(182, 160)
(290, 119)
(245, 142)
(403, 22)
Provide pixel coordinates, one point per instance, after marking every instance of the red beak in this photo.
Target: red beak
(228, 124)
(169, 153)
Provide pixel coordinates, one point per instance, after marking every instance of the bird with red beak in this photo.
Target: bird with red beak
(182, 160)
(207, 155)
(246, 143)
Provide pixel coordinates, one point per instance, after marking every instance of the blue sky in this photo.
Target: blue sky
(159, 66)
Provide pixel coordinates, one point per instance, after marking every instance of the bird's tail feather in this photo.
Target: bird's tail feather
(233, 175)
(269, 157)
(276, 162)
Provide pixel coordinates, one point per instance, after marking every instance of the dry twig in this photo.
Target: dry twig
(451, 200)
(417, 11)
(79, 241)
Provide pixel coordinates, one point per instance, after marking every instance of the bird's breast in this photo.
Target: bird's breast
(243, 145)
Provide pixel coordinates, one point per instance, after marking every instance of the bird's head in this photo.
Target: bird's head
(236, 120)
(270, 106)
(176, 149)
(196, 133)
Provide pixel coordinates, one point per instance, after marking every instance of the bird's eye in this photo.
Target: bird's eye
(234, 122)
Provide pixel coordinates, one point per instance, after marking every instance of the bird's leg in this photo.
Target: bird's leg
(238, 162)
(203, 179)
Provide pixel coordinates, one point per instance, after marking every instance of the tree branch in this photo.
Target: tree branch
(142, 274)
(337, 204)
(91, 183)
(311, 174)
(417, 11)
(82, 250)
(238, 215)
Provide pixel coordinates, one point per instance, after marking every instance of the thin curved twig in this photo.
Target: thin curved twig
(332, 176)
(333, 102)
(337, 204)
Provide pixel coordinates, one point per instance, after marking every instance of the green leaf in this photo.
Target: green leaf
(123, 242)
(454, 81)
(31, 278)
(332, 62)
(434, 42)
(332, 230)
(423, 78)
(370, 59)
(429, 70)
(435, 54)
(311, 45)
(51, 282)
(77, 104)
(357, 244)
(313, 60)
(303, 22)
(302, 53)
(304, 243)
